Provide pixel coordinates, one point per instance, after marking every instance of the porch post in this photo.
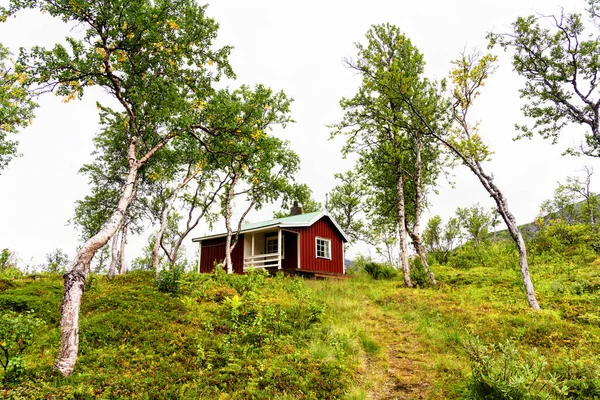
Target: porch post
(279, 249)
(252, 251)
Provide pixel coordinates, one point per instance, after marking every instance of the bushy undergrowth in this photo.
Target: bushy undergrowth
(498, 371)
(502, 371)
(375, 270)
(256, 336)
(221, 336)
(558, 242)
(168, 280)
(16, 334)
(418, 275)
(499, 254)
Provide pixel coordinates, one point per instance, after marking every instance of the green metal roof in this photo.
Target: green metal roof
(294, 219)
(286, 222)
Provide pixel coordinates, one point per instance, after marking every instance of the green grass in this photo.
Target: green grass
(258, 337)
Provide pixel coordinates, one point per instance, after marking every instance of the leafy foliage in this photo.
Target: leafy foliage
(501, 371)
(16, 105)
(7, 259)
(384, 123)
(347, 204)
(56, 261)
(169, 280)
(375, 269)
(440, 240)
(558, 57)
(301, 193)
(418, 275)
(16, 334)
(573, 201)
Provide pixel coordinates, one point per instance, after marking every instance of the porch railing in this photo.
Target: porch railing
(262, 261)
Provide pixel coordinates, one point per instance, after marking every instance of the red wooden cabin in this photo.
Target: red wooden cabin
(304, 243)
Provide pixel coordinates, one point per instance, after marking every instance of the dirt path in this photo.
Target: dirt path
(397, 372)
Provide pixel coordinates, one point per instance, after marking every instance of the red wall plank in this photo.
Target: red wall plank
(323, 228)
(213, 250)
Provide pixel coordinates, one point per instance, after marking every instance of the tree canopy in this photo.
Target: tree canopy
(559, 57)
(16, 105)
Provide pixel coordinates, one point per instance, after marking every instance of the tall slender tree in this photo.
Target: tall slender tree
(465, 143)
(395, 154)
(156, 59)
(258, 166)
(196, 191)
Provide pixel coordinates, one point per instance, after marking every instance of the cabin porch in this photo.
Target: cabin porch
(274, 249)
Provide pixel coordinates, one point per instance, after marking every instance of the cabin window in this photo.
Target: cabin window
(323, 248)
(271, 245)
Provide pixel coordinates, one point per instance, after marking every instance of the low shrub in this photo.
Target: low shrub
(380, 270)
(418, 275)
(169, 280)
(498, 371)
(580, 379)
(10, 273)
(501, 371)
(16, 334)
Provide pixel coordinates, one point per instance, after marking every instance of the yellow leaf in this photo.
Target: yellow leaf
(21, 77)
(173, 25)
(70, 97)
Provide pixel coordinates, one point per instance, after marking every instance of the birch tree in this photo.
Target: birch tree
(390, 140)
(465, 143)
(347, 204)
(155, 58)
(106, 177)
(574, 201)
(559, 57)
(256, 165)
(194, 184)
(440, 239)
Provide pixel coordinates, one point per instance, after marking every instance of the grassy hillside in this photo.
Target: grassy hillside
(258, 337)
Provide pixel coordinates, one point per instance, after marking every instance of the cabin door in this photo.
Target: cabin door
(290, 246)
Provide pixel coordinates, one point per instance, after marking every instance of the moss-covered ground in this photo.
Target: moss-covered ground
(238, 337)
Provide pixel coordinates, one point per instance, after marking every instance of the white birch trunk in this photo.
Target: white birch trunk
(122, 251)
(114, 256)
(415, 232)
(228, 212)
(74, 279)
(160, 235)
(515, 233)
(402, 228)
(507, 216)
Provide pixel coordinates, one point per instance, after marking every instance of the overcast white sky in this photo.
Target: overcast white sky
(297, 47)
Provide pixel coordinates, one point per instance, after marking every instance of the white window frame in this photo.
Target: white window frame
(275, 239)
(326, 240)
